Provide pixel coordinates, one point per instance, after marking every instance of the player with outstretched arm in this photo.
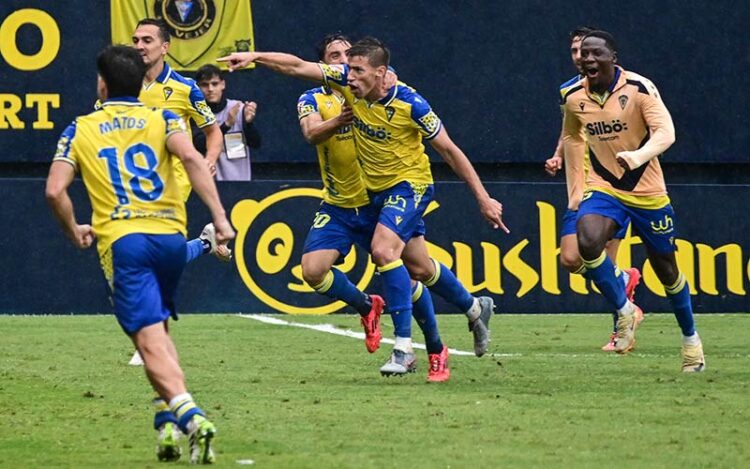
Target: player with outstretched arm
(390, 125)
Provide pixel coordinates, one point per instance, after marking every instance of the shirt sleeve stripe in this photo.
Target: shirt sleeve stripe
(67, 160)
(434, 134)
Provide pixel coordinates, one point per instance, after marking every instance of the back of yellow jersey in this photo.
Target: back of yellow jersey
(389, 132)
(120, 152)
(343, 185)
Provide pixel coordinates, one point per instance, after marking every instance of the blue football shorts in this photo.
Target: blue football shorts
(656, 227)
(146, 269)
(569, 225)
(338, 228)
(401, 208)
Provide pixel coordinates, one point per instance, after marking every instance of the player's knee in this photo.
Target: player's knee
(383, 255)
(313, 274)
(421, 272)
(665, 269)
(570, 261)
(156, 355)
(589, 244)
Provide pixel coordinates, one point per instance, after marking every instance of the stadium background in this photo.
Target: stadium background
(489, 69)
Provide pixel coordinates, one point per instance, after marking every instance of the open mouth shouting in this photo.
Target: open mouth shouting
(591, 71)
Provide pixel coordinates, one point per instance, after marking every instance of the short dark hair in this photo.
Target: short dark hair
(208, 71)
(609, 40)
(159, 23)
(321, 47)
(122, 69)
(376, 52)
(580, 32)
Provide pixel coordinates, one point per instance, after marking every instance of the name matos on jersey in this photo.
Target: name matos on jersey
(121, 123)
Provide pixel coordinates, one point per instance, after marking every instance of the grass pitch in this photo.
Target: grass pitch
(292, 397)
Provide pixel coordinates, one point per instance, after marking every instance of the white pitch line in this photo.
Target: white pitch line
(331, 329)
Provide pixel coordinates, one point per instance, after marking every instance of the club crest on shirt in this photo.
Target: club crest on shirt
(581, 105)
(167, 92)
(390, 111)
(623, 101)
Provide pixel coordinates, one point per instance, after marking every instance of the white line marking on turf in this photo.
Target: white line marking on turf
(331, 329)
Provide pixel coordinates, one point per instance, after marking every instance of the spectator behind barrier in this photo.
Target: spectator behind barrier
(236, 120)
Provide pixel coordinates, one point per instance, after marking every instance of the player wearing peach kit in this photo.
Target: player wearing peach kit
(627, 126)
(575, 173)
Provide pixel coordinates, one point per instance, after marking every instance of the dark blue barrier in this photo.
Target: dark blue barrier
(490, 69)
(43, 273)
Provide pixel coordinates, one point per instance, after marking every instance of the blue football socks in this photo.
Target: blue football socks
(682, 305)
(337, 285)
(602, 272)
(163, 414)
(424, 314)
(397, 292)
(445, 284)
(195, 248)
(184, 408)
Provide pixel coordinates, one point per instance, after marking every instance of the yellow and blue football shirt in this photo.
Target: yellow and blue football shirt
(120, 152)
(181, 95)
(389, 132)
(337, 156)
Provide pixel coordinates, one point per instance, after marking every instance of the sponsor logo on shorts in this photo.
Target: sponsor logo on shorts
(395, 201)
(663, 226)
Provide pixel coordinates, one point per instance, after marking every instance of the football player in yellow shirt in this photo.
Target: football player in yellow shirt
(390, 125)
(123, 152)
(345, 216)
(164, 88)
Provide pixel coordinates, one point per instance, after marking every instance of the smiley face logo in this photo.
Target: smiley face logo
(268, 249)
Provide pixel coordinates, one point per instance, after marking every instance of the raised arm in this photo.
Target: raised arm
(491, 209)
(286, 64)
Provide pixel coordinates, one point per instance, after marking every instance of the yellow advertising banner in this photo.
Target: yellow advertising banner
(201, 30)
